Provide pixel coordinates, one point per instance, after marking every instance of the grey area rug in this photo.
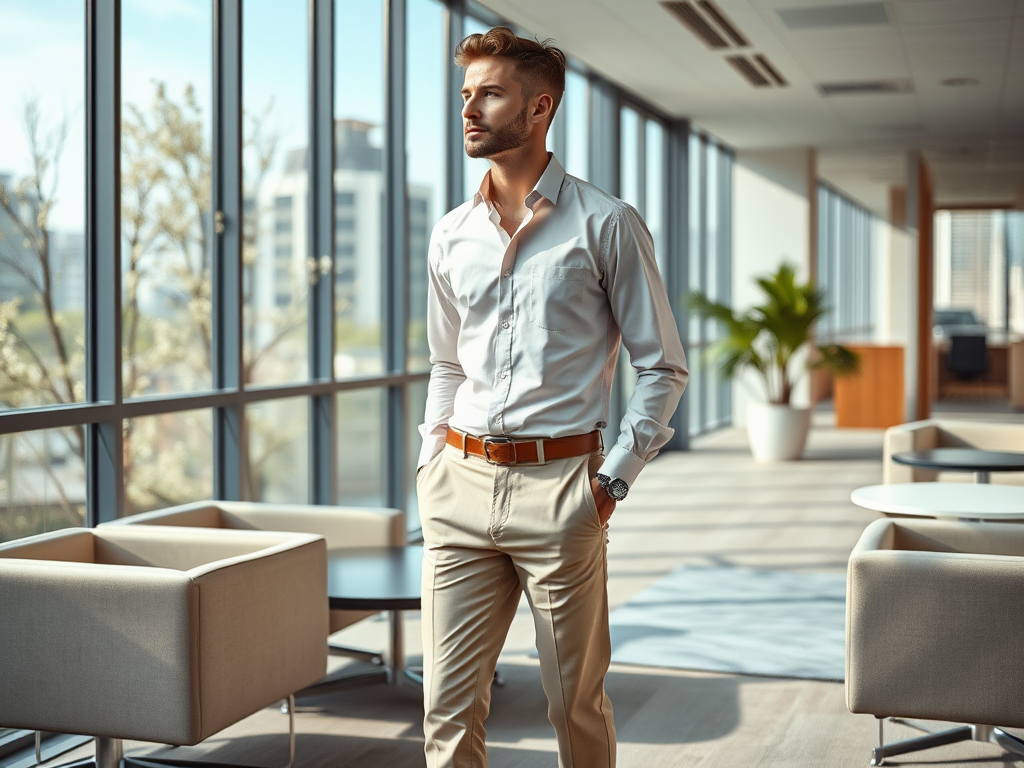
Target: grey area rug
(740, 620)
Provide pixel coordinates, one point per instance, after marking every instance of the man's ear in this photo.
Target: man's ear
(541, 112)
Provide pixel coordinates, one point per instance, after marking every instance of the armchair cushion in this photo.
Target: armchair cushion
(165, 635)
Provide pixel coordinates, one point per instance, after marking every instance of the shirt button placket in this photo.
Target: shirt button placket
(504, 363)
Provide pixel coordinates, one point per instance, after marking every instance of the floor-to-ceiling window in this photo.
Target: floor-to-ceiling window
(846, 266)
(709, 396)
(979, 266)
(643, 183)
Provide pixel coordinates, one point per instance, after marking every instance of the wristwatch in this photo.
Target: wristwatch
(616, 488)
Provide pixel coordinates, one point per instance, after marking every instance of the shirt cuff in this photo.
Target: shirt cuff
(432, 445)
(622, 465)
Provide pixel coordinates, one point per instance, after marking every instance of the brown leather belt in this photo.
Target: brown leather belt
(505, 451)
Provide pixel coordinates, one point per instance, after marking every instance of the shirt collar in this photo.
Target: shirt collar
(548, 185)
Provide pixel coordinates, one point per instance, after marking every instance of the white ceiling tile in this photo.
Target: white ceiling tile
(985, 32)
(844, 39)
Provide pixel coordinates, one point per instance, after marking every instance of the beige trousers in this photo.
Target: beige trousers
(491, 532)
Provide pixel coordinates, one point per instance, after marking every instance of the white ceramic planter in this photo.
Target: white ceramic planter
(777, 432)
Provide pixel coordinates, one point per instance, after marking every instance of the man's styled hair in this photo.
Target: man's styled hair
(539, 65)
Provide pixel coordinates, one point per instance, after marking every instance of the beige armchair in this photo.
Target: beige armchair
(341, 527)
(933, 629)
(943, 433)
(159, 635)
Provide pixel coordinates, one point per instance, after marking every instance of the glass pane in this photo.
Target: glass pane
(425, 150)
(415, 403)
(360, 416)
(275, 182)
(473, 168)
(629, 179)
(279, 450)
(711, 272)
(654, 203)
(165, 195)
(693, 392)
(358, 185)
(168, 460)
(42, 482)
(1015, 256)
(577, 137)
(42, 217)
(710, 254)
(696, 263)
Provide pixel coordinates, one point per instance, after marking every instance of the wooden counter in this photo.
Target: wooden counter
(875, 396)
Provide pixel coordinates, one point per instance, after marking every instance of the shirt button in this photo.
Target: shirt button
(504, 374)
(508, 273)
(505, 324)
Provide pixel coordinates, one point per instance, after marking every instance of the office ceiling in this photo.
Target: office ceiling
(866, 81)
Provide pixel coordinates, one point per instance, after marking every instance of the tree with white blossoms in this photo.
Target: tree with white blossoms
(166, 226)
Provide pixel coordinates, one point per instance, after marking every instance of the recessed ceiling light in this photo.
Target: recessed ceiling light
(960, 82)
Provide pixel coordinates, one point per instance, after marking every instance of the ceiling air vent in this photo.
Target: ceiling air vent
(692, 19)
(717, 31)
(833, 16)
(748, 71)
(724, 23)
(768, 67)
(864, 87)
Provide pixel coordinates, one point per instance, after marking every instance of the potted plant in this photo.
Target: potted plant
(775, 338)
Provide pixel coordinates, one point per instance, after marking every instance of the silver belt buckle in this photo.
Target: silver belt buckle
(495, 440)
(489, 440)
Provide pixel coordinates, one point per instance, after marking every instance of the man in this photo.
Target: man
(530, 283)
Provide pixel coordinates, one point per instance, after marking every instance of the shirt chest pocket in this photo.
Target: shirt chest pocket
(556, 297)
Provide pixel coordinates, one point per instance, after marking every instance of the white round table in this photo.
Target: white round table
(959, 501)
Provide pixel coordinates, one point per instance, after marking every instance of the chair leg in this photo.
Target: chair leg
(1007, 741)
(162, 762)
(109, 753)
(940, 739)
(371, 657)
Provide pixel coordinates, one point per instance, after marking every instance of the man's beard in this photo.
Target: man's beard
(512, 135)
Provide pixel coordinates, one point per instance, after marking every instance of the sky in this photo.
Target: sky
(42, 54)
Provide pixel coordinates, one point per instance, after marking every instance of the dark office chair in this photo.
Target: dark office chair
(967, 357)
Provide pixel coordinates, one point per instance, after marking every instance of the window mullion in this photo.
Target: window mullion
(104, 440)
(322, 438)
(229, 441)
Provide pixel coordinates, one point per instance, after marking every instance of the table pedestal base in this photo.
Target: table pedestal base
(395, 672)
(987, 733)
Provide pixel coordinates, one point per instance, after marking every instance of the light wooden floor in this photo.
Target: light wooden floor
(712, 505)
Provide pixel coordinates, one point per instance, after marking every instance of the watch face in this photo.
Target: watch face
(618, 489)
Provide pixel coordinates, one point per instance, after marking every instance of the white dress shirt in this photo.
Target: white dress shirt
(524, 331)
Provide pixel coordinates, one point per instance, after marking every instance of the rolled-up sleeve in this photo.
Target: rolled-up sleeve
(642, 311)
(446, 373)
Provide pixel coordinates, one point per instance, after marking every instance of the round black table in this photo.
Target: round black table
(374, 579)
(982, 463)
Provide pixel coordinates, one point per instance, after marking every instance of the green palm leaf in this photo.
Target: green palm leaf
(767, 336)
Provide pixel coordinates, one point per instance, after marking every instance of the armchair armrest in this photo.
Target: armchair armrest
(914, 436)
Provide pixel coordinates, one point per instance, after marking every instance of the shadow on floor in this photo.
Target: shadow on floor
(651, 708)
